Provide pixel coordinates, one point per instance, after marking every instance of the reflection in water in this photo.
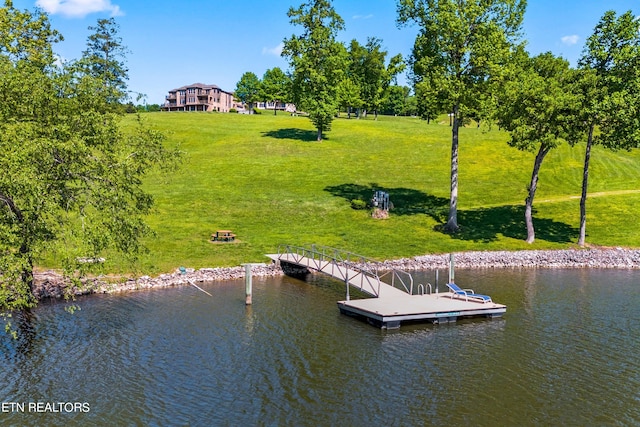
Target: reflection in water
(566, 353)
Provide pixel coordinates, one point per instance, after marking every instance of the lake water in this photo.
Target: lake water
(567, 352)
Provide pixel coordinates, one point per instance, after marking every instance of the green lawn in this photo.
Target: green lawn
(268, 180)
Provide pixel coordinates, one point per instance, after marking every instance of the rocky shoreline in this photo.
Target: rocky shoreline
(50, 284)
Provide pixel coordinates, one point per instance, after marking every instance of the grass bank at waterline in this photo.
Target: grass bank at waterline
(268, 180)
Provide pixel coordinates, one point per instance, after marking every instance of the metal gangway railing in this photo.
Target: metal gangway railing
(355, 270)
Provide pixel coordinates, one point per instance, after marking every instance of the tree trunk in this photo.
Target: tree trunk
(275, 108)
(452, 222)
(319, 137)
(533, 185)
(26, 275)
(585, 184)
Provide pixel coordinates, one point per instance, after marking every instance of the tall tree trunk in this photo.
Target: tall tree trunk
(585, 184)
(319, 137)
(275, 108)
(533, 185)
(452, 222)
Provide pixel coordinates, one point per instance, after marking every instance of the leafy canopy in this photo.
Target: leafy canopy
(318, 61)
(461, 46)
(248, 88)
(71, 176)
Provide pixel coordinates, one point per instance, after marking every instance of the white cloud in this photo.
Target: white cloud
(369, 16)
(570, 40)
(78, 8)
(273, 50)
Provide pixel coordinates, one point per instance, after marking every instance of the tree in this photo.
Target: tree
(395, 100)
(427, 101)
(26, 37)
(317, 60)
(105, 60)
(610, 92)
(348, 94)
(537, 105)
(367, 68)
(460, 46)
(71, 176)
(248, 89)
(399, 101)
(275, 87)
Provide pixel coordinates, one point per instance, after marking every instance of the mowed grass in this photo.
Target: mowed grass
(267, 179)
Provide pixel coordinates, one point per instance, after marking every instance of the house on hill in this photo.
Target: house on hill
(200, 97)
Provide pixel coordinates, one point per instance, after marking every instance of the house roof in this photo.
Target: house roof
(198, 86)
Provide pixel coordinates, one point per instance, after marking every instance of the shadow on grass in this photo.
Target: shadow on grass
(478, 225)
(293, 133)
(485, 224)
(406, 201)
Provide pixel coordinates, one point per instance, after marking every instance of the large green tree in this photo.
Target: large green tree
(348, 94)
(368, 68)
(248, 89)
(275, 87)
(317, 61)
(460, 46)
(610, 92)
(71, 177)
(395, 100)
(537, 104)
(105, 60)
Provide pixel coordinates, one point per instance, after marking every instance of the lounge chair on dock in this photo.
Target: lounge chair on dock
(468, 294)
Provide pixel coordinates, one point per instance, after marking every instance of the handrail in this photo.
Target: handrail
(359, 263)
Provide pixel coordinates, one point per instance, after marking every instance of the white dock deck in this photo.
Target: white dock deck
(389, 306)
(390, 311)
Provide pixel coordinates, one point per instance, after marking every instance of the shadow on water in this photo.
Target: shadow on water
(479, 225)
(293, 133)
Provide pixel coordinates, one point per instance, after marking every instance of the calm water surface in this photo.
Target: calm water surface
(566, 353)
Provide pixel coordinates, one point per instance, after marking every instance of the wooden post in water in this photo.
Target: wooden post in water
(451, 269)
(247, 283)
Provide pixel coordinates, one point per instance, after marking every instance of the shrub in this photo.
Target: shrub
(233, 110)
(358, 204)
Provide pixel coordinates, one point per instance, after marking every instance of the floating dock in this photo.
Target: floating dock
(391, 311)
(390, 304)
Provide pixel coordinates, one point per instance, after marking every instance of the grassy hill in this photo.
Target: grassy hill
(268, 180)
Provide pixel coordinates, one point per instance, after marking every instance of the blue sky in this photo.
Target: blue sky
(174, 43)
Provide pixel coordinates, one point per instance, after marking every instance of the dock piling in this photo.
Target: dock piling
(451, 269)
(247, 284)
